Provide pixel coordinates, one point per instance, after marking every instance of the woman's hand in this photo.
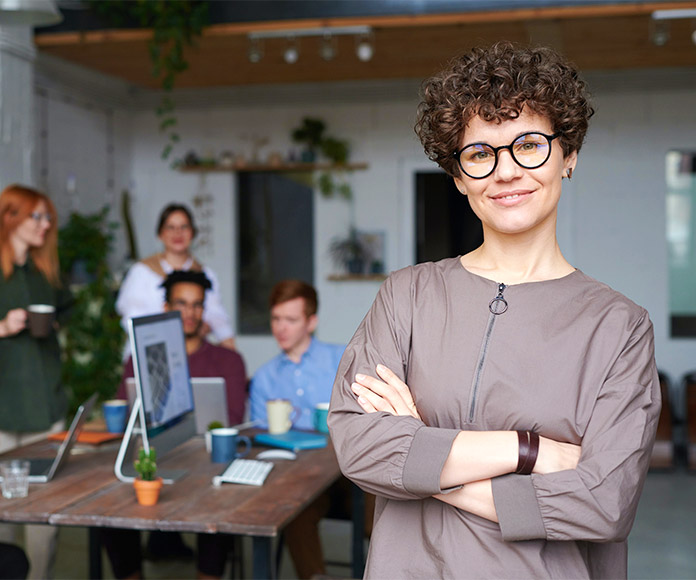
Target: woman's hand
(14, 322)
(555, 456)
(390, 394)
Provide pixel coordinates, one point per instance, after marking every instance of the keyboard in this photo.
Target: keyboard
(245, 471)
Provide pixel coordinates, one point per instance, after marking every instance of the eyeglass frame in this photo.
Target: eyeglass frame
(38, 217)
(549, 138)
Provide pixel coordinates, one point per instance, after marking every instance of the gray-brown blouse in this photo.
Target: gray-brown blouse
(570, 359)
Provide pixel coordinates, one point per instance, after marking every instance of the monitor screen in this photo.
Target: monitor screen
(161, 369)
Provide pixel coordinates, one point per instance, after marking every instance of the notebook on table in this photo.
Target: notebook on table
(42, 469)
(294, 440)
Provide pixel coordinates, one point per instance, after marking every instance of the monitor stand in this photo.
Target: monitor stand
(164, 442)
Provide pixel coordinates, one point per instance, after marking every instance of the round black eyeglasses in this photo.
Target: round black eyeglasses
(530, 150)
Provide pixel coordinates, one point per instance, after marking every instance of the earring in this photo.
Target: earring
(569, 173)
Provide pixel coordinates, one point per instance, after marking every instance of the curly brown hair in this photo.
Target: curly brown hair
(496, 83)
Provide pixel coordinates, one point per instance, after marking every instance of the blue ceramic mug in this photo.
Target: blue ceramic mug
(115, 415)
(321, 413)
(225, 442)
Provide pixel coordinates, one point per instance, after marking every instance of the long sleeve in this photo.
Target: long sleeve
(394, 457)
(260, 391)
(215, 314)
(235, 381)
(598, 500)
(139, 294)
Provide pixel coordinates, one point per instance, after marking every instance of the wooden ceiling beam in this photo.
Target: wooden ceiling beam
(46, 39)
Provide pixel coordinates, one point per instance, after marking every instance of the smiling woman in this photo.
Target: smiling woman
(505, 394)
(141, 294)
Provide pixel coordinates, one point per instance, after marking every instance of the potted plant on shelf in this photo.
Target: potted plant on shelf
(310, 133)
(147, 485)
(350, 252)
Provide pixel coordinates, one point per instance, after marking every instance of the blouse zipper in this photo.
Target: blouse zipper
(497, 306)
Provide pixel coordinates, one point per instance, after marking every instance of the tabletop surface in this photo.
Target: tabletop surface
(86, 493)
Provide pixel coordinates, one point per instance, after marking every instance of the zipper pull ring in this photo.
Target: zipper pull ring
(498, 305)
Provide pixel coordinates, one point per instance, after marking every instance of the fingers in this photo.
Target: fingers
(370, 401)
(391, 394)
(401, 388)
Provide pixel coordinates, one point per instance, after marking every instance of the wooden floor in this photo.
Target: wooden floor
(661, 544)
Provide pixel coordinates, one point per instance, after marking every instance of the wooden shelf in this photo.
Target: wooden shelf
(357, 277)
(280, 168)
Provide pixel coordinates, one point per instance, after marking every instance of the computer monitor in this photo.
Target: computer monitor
(161, 370)
(164, 403)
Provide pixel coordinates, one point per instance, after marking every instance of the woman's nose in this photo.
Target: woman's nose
(507, 168)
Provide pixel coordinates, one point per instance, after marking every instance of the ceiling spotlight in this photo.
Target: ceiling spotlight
(364, 47)
(255, 50)
(327, 49)
(660, 32)
(292, 51)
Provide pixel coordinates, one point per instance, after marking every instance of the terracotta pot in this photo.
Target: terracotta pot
(147, 492)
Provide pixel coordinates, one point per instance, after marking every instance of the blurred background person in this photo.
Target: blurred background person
(187, 293)
(141, 292)
(33, 402)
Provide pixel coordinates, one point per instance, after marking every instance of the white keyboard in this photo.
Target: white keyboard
(246, 471)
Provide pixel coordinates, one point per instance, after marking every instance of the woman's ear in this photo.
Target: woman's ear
(460, 185)
(569, 164)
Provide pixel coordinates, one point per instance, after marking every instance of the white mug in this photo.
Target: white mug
(281, 415)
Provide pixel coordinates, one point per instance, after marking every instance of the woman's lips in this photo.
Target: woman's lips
(510, 198)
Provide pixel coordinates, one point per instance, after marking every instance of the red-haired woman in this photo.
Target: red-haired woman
(32, 399)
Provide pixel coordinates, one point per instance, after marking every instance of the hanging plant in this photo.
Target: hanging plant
(175, 26)
(311, 134)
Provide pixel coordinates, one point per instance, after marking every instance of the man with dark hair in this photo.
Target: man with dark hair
(303, 373)
(185, 292)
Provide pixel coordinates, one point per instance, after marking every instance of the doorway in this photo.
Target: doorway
(446, 226)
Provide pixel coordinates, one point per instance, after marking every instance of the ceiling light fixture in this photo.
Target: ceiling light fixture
(659, 30)
(292, 51)
(255, 50)
(328, 49)
(677, 14)
(365, 46)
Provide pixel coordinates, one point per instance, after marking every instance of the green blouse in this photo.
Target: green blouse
(31, 395)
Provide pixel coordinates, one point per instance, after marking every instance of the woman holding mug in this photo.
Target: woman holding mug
(502, 405)
(33, 401)
(141, 292)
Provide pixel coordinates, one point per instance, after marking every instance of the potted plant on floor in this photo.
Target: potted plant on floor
(147, 485)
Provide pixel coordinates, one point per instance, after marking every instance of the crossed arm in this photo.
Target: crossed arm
(475, 456)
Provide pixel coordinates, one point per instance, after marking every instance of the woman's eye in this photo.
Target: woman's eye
(478, 156)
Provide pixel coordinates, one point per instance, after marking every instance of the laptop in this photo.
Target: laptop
(42, 469)
(209, 400)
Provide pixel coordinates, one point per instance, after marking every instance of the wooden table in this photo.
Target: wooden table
(86, 493)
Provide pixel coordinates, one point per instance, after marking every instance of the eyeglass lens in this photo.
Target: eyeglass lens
(530, 151)
(38, 216)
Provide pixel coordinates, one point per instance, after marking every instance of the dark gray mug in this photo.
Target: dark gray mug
(40, 319)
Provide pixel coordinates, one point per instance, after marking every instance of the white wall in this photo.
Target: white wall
(82, 143)
(612, 217)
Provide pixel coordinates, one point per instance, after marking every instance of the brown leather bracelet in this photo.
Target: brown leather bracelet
(523, 451)
(528, 453)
